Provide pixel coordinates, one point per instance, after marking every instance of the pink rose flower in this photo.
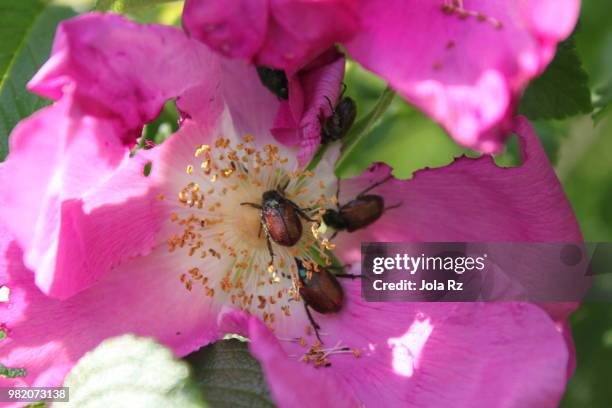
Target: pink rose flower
(464, 63)
(92, 248)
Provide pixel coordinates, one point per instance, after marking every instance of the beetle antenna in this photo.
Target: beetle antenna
(389, 177)
(282, 189)
(338, 193)
(343, 90)
(331, 107)
(252, 205)
(241, 166)
(348, 276)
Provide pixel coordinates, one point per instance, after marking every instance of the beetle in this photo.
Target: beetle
(275, 80)
(280, 219)
(320, 289)
(359, 212)
(336, 126)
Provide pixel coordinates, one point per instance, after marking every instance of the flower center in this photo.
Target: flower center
(228, 248)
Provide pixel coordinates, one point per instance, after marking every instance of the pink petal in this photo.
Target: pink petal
(291, 382)
(58, 158)
(421, 354)
(465, 73)
(47, 336)
(236, 28)
(311, 91)
(474, 354)
(252, 107)
(120, 69)
(472, 200)
(284, 34)
(112, 76)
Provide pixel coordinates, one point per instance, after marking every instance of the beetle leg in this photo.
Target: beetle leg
(269, 244)
(348, 276)
(338, 193)
(378, 183)
(262, 225)
(353, 276)
(394, 206)
(244, 168)
(333, 235)
(314, 324)
(302, 214)
(343, 90)
(344, 275)
(252, 205)
(339, 267)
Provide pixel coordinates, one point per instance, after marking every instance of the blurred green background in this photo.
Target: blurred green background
(579, 147)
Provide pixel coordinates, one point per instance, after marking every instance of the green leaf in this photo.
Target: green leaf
(131, 371)
(407, 141)
(124, 6)
(27, 28)
(585, 170)
(229, 376)
(562, 90)
(159, 129)
(363, 128)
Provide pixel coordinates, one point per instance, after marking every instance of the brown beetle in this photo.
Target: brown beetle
(320, 289)
(359, 212)
(342, 117)
(280, 219)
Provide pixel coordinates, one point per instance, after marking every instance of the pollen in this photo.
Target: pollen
(326, 244)
(319, 356)
(226, 255)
